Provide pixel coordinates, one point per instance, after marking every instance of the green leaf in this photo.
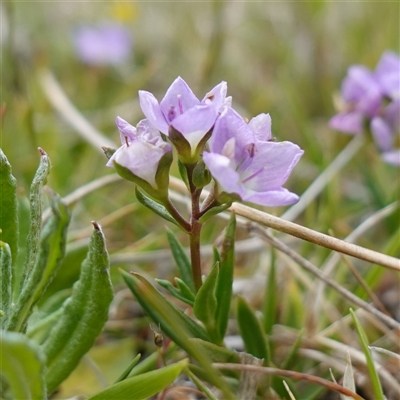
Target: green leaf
(84, 314)
(49, 258)
(6, 283)
(36, 206)
(175, 292)
(205, 304)
(176, 325)
(142, 386)
(270, 297)
(128, 370)
(375, 382)
(217, 353)
(22, 366)
(251, 330)
(154, 206)
(225, 278)
(214, 211)
(181, 259)
(9, 228)
(184, 289)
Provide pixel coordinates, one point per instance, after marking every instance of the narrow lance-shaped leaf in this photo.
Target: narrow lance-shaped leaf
(154, 206)
(375, 382)
(205, 305)
(225, 278)
(36, 206)
(6, 283)
(21, 366)
(8, 205)
(175, 292)
(181, 259)
(84, 314)
(48, 260)
(142, 386)
(251, 331)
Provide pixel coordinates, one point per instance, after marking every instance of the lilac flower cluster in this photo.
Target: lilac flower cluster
(242, 158)
(372, 99)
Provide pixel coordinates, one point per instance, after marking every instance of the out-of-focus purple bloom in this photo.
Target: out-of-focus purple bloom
(181, 110)
(141, 151)
(392, 157)
(246, 164)
(373, 98)
(105, 44)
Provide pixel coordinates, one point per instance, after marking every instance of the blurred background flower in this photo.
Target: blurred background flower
(103, 44)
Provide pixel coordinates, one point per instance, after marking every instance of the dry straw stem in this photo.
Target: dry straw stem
(290, 374)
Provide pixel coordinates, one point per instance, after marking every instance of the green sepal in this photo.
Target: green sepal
(36, 206)
(84, 314)
(217, 353)
(48, 260)
(6, 283)
(158, 208)
(174, 291)
(205, 305)
(9, 227)
(251, 331)
(183, 172)
(223, 290)
(108, 151)
(201, 175)
(182, 146)
(142, 386)
(181, 259)
(375, 382)
(22, 368)
(214, 211)
(162, 173)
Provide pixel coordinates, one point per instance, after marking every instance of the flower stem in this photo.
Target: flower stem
(195, 231)
(177, 215)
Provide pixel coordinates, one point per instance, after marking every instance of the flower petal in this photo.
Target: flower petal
(271, 165)
(382, 134)
(230, 124)
(273, 198)
(195, 123)
(222, 171)
(348, 122)
(392, 157)
(151, 109)
(261, 126)
(216, 96)
(126, 130)
(141, 159)
(178, 99)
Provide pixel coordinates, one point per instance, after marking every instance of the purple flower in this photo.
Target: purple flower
(105, 44)
(373, 98)
(141, 153)
(182, 111)
(246, 164)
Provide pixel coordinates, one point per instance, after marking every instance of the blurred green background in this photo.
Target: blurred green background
(285, 58)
